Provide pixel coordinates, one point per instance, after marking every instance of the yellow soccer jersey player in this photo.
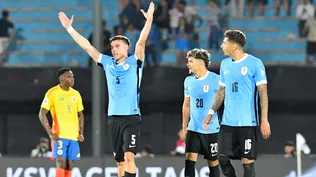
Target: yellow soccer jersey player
(65, 106)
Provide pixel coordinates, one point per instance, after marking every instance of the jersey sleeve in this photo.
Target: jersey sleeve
(186, 90)
(79, 103)
(47, 101)
(104, 60)
(260, 73)
(221, 75)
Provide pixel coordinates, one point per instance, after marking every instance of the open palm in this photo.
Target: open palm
(64, 20)
(150, 12)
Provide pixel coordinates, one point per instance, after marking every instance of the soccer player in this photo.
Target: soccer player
(242, 76)
(65, 106)
(199, 90)
(123, 75)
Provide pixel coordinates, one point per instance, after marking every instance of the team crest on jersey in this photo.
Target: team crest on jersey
(205, 88)
(126, 66)
(73, 99)
(244, 70)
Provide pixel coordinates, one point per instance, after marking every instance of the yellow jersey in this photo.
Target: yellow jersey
(64, 107)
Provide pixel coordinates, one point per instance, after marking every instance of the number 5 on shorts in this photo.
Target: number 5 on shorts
(133, 141)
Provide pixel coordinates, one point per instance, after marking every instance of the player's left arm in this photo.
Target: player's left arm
(261, 82)
(80, 117)
(263, 94)
(141, 43)
(81, 122)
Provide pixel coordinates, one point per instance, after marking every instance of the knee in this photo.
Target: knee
(247, 161)
(129, 157)
(61, 163)
(120, 164)
(69, 164)
(223, 160)
(191, 156)
(212, 163)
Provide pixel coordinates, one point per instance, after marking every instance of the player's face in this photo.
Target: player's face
(193, 64)
(227, 47)
(68, 78)
(119, 49)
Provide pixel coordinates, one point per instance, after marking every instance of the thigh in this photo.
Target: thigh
(228, 142)
(60, 148)
(131, 134)
(115, 130)
(192, 142)
(209, 146)
(248, 142)
(73, 150)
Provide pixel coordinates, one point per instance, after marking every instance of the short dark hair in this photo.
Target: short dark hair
(62, 71)
(200, 54)
(5, 13)
(120, 37)
(236, 36)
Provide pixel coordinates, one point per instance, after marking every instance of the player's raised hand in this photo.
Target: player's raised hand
(64, 20)
(150, 12)
(80, 138)
(265, 129)
(207, 121)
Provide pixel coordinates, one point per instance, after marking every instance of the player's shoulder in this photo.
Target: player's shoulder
(213, 77)
(226, 60)
(132, 57)
(52, 90)
(212, 74)
(254, 59)
(188, 79)
(74, 91)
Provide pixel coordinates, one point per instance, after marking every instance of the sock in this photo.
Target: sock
(129, 174)
(189, 170)
(214, 171)
(227, 168)
(249, 170)
(68, 173)
(60, 172)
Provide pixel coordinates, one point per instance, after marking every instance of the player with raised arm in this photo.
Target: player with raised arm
(65, 106)
(199, 92)
(242, 76)
(123, 75)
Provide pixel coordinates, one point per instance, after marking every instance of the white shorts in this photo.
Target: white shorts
(4, 44)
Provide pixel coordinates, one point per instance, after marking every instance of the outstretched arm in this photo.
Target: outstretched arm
(80, 40)
(141, 43)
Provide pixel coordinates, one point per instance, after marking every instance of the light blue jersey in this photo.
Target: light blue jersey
(202, 92)
(240, 79)
(123, 82)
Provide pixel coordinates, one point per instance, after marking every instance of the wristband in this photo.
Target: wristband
(211, 111)
(70, 29)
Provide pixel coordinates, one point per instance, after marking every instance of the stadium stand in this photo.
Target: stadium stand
(42, 41)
